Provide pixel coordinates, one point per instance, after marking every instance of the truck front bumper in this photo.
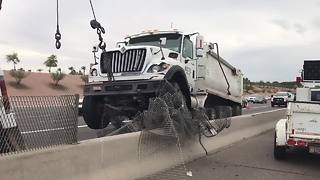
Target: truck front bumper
(122, 87)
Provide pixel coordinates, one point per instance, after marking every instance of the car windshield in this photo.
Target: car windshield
(281, 94)
(173, 41)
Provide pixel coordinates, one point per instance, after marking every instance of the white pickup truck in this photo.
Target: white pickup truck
(125, 78)
(301, 128)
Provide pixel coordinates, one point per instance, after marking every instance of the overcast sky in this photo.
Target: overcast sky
(266, 39)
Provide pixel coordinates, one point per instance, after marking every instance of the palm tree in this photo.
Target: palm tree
(13, 58)
(84, 70)
(51, 62)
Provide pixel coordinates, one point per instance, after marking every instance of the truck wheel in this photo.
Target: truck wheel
(223, 111)
(180, 103)
(236, 110)
(93, 112)
(210, 112)
(279, 152)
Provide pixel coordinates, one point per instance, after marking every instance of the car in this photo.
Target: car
(281, 99)
(251, 99)
(260, 99)
(10, 136)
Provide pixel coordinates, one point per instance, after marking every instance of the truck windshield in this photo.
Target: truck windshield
(173, 41)
(281, 94)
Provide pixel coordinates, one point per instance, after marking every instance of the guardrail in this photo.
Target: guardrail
(117, 157)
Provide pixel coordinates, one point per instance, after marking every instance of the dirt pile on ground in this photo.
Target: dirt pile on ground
(267, 90)
(41, 84)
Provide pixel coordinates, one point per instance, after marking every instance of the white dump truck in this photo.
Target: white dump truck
(125, 78)
(301, 128)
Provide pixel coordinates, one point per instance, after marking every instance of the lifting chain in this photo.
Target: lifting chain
(100, 30)
(57, 36)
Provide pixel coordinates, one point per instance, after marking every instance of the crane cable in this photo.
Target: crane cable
(102, 45)
(57, 36)
(100, 30)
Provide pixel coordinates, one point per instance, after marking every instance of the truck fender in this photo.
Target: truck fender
(177, 74)
(281, 128)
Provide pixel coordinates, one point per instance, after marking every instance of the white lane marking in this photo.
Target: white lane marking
(83, 126)
(47, 130)
(42, 130)
(258, 107)
(254, 114)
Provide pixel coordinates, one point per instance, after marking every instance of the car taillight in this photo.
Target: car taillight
(302, 143)
(291, 142)
(5, 98)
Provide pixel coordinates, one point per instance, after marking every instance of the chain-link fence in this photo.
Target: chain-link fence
(168, 124)
(35, 122)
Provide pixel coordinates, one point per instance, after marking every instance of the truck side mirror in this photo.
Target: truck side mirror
(199, 46)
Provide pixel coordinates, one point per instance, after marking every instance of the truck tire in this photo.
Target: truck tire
(236, 110)
(93, 112)
(223, 111)
(279, 152)
(210, 112)
(179, 92)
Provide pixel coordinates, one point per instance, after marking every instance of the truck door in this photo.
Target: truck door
(190, 62)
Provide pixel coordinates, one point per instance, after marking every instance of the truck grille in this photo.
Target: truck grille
(278, 99)
(131, 60)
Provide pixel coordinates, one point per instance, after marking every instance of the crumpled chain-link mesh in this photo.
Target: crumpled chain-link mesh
(166, 124)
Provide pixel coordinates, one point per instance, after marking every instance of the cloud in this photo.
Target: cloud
(251, 33)
(300, 29)
(281, 23)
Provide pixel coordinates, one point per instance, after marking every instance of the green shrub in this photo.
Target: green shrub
(57, 76)
(18, 75)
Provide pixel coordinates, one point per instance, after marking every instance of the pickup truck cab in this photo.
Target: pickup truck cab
(281, 99)
(10, 136)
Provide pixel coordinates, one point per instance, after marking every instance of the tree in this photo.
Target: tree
(52, 61)
(18, 75)
(84, 78)
(84, 70)
(57, 76)
(13, 58)
(72, 71)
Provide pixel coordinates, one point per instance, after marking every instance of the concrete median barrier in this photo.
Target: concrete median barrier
(117, 157)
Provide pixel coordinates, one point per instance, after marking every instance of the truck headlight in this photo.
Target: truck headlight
(158, 68)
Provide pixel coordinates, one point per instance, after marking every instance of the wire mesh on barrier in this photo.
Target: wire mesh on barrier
(36, 122)
(167, 124)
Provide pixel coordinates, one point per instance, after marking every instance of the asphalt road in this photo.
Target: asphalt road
(252, 159)
(85, 133)
(256, 108)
